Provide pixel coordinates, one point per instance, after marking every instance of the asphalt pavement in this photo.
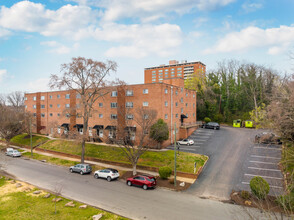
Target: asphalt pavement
(230, 166)
(117, 197)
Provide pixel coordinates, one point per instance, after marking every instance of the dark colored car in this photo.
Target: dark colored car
(212, 125)
(145, 181)
(81, 168)
(267, 138)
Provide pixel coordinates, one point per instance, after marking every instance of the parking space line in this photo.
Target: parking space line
(257, 168)
(267, 177)
(265, 157)
(268, 148)
(252, 161)
(278, 187)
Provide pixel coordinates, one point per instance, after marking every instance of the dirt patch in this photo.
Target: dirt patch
(160, 182)
(268, 204)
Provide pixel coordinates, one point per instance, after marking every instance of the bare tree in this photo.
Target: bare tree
(57, 192)
(2, 100)
(11, 122)
(16, 100)
(135, 147)
(87, 78)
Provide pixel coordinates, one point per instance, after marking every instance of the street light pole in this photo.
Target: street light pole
(31, 141)
(175, 170)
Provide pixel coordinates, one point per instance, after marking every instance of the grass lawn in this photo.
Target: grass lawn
(17, 204)
(24, 139)
(185, 161)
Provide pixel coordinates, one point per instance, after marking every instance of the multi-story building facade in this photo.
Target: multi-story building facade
(53, 110)
(173, 70)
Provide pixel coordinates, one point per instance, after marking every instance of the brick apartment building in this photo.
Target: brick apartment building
(174, 69)
(170, 99)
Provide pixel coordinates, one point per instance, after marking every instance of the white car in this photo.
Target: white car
(109, 174)
(185, 142)
(13, 153)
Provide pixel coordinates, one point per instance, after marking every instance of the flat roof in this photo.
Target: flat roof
(179, 64)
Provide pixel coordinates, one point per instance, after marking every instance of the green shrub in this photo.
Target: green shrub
(245, 194)
(286, 201)
(218, 118)
(164, 172)
(259, 187)
(206, 119)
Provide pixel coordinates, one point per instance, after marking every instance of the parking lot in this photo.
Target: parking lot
(262, 160)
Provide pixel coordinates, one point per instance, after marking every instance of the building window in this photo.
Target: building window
(26, 106)
(193, 114)
(129, 93)
(153, 77)
(34, 106)
(100, 115)
(166, 70)
(50, 105)
(67, 105)
(177, 115)
(58, 114)
(145, 103)
(113, 116)
(58, 96)
(153, 71)
(43, 115)
(51, 114)
(100, 104)
(42, 106)
(34, 98)
(176, 92)
(145, 91)
(165, 116)
(176, 104)
(78, 96)
(193, 95)
(182, 110)
(165, 103)
(180, 68)
(186, 94)
(35, 114)
(193, 105)
(67, 96)
(179, 74)
(50, 96)
(153, 80)
(114, 94)
(130, 117)
(186, 104)
(187, 115)
(172, 69)
(26, 98)
(58, 105)
(42, 97)
(182, 89)
(67, 115)
(146, 116)
(113, 105)
(129, 105)
(165, 91)
(160, 71)
(182, 100)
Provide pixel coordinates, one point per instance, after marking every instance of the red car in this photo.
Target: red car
(146, 181)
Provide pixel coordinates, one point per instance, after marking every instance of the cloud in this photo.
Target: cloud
(33, 17)
(249, 7)
(58, 48)
(275, 39)
(149, 10)
(4, 32)
(3, 73)
(140, 40)
(40, 85)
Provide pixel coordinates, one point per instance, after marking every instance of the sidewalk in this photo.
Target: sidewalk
(182, 179)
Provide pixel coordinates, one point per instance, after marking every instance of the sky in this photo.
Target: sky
(36, 36)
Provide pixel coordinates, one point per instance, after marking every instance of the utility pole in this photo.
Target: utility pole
(175, 171)
(31, 140)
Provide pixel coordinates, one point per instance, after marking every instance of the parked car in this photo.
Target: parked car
(267, 138)
(12, 152)
(109, 174)
(145, 181)
(186, 142)
(212, 125)
(81, 168)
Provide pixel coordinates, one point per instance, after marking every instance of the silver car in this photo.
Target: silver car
(81, 168)
(109, 174)
(13, 153)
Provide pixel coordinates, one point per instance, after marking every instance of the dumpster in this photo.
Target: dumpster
(237, 123)
(248, 124)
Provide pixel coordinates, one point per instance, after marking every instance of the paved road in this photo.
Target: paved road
(119, 198)
(230, 150)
